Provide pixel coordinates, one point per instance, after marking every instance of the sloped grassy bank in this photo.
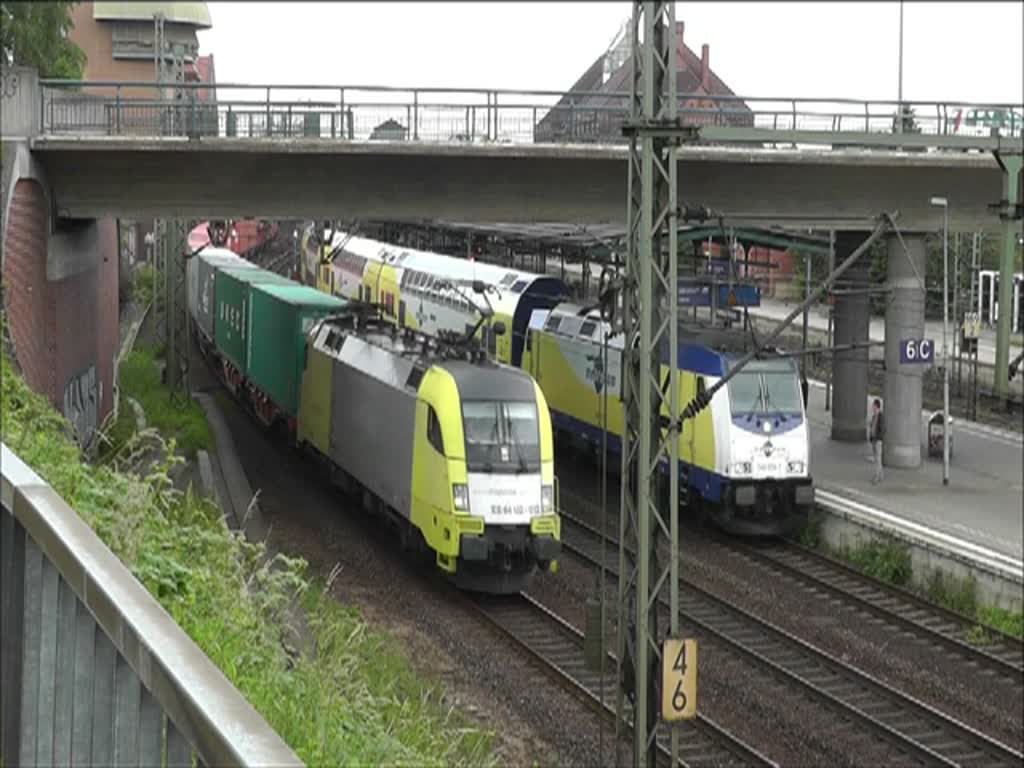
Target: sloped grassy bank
(356, 701)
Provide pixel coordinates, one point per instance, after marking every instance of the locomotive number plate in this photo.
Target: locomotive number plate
(509, 510)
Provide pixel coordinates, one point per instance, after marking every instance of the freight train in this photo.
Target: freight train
(241, 236)
(451, 449)
(744, 460)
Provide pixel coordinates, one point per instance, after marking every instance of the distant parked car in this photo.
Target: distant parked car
(985, 122)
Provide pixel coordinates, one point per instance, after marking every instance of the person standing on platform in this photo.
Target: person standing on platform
(876, 436)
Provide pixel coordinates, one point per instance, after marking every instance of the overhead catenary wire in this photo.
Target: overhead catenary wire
(885, 220)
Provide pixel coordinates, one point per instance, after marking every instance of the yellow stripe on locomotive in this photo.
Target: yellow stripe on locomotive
(557, 368)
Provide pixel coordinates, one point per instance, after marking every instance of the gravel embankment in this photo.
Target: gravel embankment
(992, 706)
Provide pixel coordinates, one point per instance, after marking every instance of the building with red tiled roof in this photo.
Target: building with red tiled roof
(594, 108)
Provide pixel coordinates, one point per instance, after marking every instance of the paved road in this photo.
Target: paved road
(982, 504)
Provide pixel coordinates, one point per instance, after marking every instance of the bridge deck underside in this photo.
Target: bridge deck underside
(841, 190)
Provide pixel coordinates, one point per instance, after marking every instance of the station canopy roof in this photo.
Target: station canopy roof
(600, 236)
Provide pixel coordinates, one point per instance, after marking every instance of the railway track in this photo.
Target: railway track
(558, 647)
(911, 727)
(1002, 655)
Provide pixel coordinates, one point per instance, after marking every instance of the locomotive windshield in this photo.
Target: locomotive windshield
(765, 390)
(501, 436)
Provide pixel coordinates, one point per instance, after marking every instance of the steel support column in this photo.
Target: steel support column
(650, 324)
(1010, 217)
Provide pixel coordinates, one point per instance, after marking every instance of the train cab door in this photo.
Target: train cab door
(401, 313)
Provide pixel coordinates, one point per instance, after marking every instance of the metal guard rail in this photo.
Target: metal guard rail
(94, 670)
(463, 114)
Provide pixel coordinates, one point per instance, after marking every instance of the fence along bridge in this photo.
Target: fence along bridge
(94, 670)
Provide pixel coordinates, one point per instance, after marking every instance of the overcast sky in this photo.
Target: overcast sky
(968, 51)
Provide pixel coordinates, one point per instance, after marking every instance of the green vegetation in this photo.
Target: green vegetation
(35, 35)
(810, 535)
(355, 703)
(184, 421)
(890, 561)
(955, 594)
(144, 284)
(1010, 622)
(885, 560)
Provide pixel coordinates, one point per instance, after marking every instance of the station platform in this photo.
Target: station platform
(982, 503)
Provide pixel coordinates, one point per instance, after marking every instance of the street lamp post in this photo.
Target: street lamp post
(899, 97)
(944, 203)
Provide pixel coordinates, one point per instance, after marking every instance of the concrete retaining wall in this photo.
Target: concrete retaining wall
(995, 586)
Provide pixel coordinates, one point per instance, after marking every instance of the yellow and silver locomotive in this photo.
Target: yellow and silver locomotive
(455, 450)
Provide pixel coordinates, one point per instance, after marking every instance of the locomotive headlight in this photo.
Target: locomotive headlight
(741, 468)
(796, 467)
(460, 495)
(547, 499)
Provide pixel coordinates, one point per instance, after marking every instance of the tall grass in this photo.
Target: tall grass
(183, 419)
(355, 701)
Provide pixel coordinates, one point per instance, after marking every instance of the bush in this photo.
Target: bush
(183, 420)
(144, 284)
(885, 560)
(355, 702)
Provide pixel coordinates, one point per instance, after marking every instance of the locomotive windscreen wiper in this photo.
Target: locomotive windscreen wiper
(514, 439)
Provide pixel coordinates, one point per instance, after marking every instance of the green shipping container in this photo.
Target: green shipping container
(201, 274)
(281, 317)
(232, 287)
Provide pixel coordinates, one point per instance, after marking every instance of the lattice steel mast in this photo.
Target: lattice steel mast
(650, 324)
(170, 237)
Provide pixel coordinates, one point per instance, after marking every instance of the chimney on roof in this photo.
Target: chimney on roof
(705, 69)
(680, 46)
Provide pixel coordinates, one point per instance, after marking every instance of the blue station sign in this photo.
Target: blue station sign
(917, 351)
(693, 293)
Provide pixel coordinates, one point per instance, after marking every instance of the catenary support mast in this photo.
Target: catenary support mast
(650, 325)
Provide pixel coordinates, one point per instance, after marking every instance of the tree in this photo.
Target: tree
(909, 120)
(34, 34)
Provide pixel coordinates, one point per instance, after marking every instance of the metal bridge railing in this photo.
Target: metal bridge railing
(468, 115)
(93, 671)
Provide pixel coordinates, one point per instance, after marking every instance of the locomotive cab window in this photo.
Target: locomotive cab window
(434, 430)
(501, 436)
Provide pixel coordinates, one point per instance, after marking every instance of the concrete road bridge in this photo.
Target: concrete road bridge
(118, 148)
(134, 150)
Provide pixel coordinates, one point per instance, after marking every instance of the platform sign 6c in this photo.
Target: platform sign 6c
(678, 679)
(917, 350)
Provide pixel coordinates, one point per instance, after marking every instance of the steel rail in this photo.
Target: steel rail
(897, 606)
(558, 647)
(910, 725)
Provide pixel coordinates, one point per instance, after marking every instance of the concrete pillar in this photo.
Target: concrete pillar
(1010, 226)
(904, 319)
(850, 367)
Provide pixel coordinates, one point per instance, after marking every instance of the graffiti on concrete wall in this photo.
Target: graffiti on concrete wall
(82, 403)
